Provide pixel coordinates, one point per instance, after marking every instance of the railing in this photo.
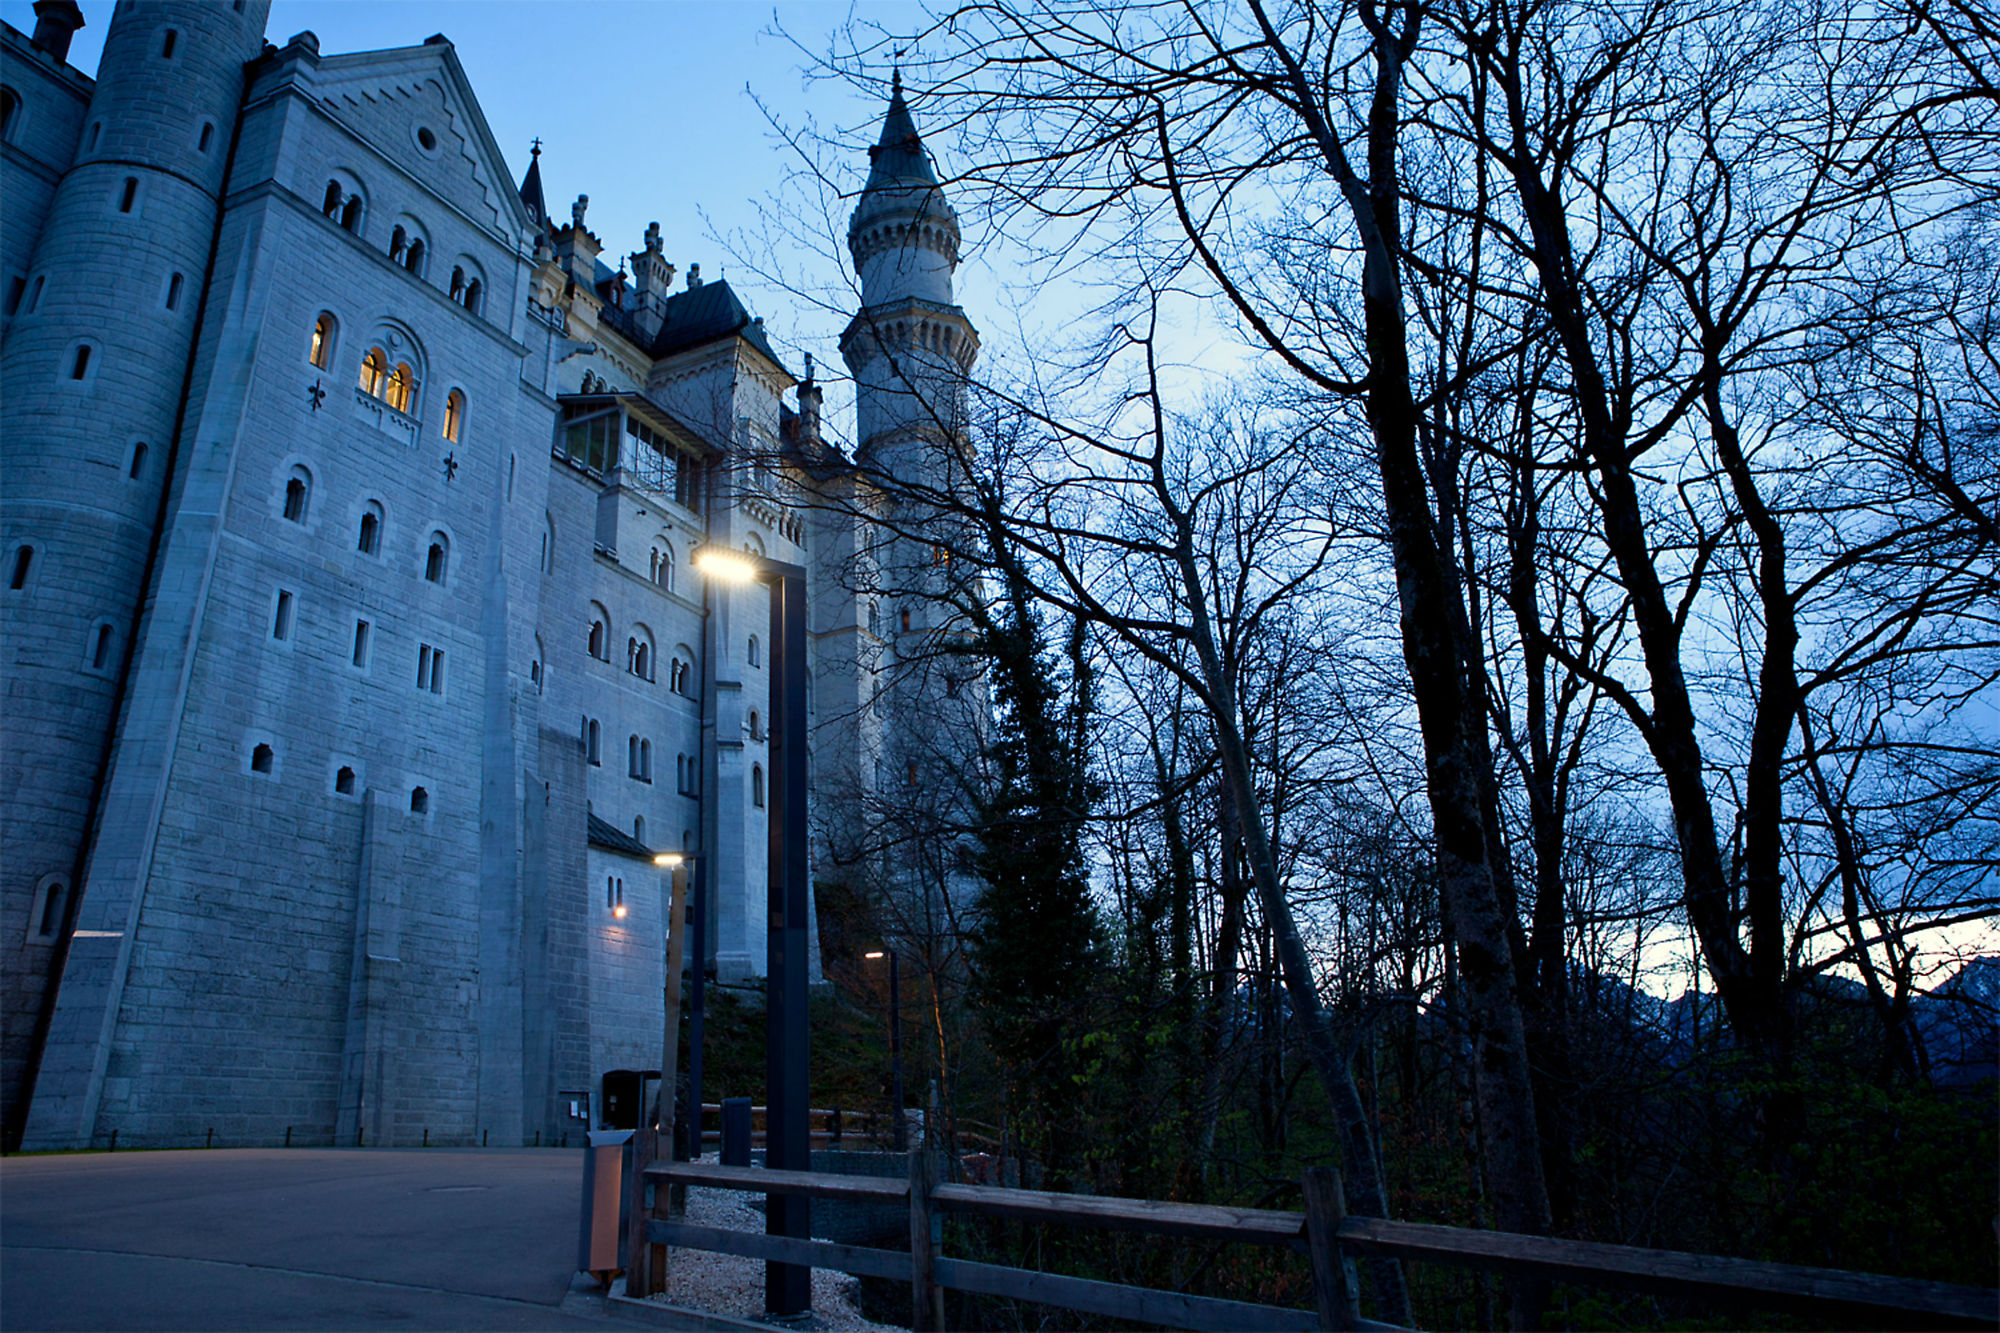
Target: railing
(831, 1127)
(1323, 1231)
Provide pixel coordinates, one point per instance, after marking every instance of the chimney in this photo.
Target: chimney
(694, 276)
(56, 22)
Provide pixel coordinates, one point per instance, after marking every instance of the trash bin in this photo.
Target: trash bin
(607, 1162)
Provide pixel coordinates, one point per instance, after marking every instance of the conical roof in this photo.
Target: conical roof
(531, 187)
(898, 160)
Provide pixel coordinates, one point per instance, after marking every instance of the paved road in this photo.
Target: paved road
(303, 1238)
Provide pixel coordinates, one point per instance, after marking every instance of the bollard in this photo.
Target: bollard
(736, 1131)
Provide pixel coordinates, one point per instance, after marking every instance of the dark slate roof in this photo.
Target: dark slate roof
(611, 839)
(531, 190)
(706, 313)
(898, 160)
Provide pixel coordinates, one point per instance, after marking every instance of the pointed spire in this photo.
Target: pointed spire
(531, 187)
(898, 160)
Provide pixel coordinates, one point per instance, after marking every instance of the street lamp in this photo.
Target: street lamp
(682, 921)
(895, 1050)
(787, 1138)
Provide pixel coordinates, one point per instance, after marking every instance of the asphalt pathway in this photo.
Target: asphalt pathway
(302, 1238)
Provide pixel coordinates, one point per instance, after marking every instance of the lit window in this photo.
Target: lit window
(374, 372)
(454, 414)
(401, 391)
(322, 341)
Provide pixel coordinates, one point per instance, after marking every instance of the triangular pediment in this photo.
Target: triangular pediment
(414, 105)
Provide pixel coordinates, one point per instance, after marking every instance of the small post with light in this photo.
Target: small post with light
(896, 1130)
(787, 1139)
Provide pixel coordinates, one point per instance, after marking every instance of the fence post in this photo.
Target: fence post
(926, 1234)
(1335, 1288)
(643, 1276)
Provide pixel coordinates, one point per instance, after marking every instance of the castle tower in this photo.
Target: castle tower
(918, 715)
(92, 382)
(910, 347)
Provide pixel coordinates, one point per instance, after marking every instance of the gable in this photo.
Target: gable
(414, 106)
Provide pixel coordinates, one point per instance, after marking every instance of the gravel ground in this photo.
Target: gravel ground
(725, 1284)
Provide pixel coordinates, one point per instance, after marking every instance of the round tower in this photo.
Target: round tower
(92, 376)
(910, 347)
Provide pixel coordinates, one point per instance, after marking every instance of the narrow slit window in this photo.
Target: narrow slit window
(435, 558)
(361, 643)
(130, 195)
(80, 368)
(167, 44)
(54, 898)
(369, 541)
(281, 622)
(424, 652)
(35, 293)
(23, 558)
(100, 651)
(757, 786)
(137, 467)
(207, 137)
(174, 291)
(296, 493)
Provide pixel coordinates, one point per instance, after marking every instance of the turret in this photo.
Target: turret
(91, 378)
(910, 347)
(56, 22)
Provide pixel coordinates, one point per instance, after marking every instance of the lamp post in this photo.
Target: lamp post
(787, 1138)
(677, 923)
(896, 1129)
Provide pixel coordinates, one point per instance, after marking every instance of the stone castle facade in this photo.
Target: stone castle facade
(355, 665)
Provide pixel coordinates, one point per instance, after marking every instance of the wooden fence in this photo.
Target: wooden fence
(832, 1127)
(1323, 1231)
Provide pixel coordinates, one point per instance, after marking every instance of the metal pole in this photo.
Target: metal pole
(787, 1287)
(897, 1129)
(698, 930)
(670, 1045)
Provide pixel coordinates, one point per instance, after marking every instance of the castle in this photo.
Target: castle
(350, 630)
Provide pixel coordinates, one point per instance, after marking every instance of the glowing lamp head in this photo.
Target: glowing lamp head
(872, 953)
(669, 859)
(719, 562)
(619, 911)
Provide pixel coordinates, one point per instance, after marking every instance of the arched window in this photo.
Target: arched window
(639, 828)
(756, 726)
(472, 294)
(642, 662)
(399, 244)
(436, 558)
(45, 915)
(402, 389)
(645, 761)
(457, 282)
(375, 372)
(420, 801)
(298, 493)
(102, 640)
(261, 759)
(454, 415)
(350, 220)
(677, 676)
(593, 741)
(548, 544)
(10, 107)
(324, 329)
(137, 467)
(79, 368)
(632, 756)
(757, 785)
(752, 652)
(370, 542)
(331, 205)
(128, 194)
(663, 565)
(414, 261)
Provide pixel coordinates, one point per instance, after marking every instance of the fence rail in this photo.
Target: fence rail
(1322, 1231)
